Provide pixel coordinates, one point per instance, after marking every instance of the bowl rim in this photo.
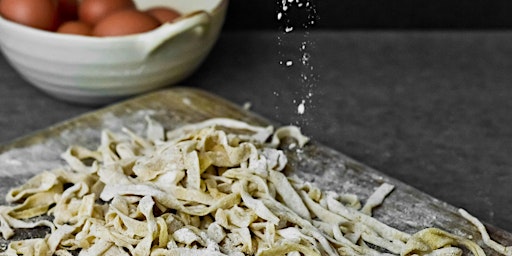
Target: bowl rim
(52, 35)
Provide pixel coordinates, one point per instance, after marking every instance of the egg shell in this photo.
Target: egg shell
(92, 11)
(164, 14)
(41, 14)
(125, 22)
(76, 28)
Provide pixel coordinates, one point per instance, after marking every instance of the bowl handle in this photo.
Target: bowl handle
(151, 41)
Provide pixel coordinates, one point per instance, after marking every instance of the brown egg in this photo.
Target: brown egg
(40, 14)
(164, 14)
(75, 27)
(92, 11)
(125, 22)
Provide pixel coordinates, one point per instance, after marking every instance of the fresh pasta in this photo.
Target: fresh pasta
(209, 188)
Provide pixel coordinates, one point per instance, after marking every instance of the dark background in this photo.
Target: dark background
(376, 14)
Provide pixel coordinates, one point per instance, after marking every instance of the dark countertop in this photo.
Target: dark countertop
(432, 109)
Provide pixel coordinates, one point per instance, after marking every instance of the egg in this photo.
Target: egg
(75, 27)
(92, 11)
(164, 14)
(125, 22)
(41, 14)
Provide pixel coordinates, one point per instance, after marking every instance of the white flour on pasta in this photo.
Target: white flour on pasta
(210, 188)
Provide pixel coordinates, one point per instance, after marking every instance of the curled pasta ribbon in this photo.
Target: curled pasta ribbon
(431, 239)
(211, 188)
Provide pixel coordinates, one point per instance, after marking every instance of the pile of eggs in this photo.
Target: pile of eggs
(86, 17)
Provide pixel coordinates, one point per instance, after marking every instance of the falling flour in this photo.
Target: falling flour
(296, 16)
(301, 108)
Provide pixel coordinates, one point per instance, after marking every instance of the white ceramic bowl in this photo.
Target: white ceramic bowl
(95, 70)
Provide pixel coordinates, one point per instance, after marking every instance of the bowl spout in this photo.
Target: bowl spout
(198, 20)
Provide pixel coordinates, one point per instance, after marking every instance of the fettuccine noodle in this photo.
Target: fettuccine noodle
(210, 188)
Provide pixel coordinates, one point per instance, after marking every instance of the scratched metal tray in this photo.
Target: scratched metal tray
(406, 208)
